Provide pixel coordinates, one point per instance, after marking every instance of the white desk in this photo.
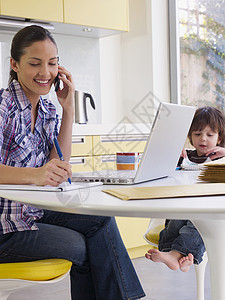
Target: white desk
(207, 213)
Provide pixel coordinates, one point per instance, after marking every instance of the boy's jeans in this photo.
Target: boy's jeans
(182, 236)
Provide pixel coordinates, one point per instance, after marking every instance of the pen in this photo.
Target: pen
(58, 150)
(210, 154)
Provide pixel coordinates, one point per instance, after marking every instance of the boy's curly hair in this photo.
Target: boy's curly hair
(212, 117)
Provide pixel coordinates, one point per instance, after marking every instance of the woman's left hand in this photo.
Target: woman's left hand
(66, 95)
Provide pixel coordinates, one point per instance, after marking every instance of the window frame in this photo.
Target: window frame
(174, 52)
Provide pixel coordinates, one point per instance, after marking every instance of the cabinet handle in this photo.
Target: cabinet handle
(78, 140)
(108, 158)
(122, 138)
(77, 161)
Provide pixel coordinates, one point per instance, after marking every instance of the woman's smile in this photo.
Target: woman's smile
(43, 82)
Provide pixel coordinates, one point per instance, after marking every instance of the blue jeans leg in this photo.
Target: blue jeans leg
(52, 241)
(113, 274)
(182, 236)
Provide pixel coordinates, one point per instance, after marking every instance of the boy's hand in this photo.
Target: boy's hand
(184, 153)
(216, 152)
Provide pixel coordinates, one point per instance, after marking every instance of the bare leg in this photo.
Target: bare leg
(185, 262)
(171, 259)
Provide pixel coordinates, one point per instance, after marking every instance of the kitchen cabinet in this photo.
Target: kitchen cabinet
(132, 231)
(98, 152)
(105, 148)
(105, 14)
(108, 14)
(51, 10)
(110, 144)
(81, 153)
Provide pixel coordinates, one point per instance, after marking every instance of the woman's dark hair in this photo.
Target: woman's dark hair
(25, 38)
(212, 117)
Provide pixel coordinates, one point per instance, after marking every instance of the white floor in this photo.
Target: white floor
(159, 283)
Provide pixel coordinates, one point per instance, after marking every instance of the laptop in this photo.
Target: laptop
(162, 151)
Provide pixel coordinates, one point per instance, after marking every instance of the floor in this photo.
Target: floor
(159, 283)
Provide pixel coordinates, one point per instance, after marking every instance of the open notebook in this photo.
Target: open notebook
(64, 187)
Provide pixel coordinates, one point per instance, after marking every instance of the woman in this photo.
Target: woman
(28, 123)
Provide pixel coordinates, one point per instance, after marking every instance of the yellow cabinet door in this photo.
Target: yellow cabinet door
(132, 231)
(110, 144)
(104, 162)
(82, 164)
(110, 14)
(81, 146)
(50, 10)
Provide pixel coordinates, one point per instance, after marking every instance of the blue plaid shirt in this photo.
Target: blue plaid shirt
(19, 147)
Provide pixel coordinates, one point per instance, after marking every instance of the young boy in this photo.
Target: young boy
(180, 244)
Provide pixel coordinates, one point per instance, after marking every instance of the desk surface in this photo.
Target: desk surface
(94, 201)
(207, 213)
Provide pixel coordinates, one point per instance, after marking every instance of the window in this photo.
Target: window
(201, 42)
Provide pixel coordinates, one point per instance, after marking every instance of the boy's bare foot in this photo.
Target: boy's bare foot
(185, 262)
(171, 259)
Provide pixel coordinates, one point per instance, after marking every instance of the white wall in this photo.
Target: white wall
(110, 78)
(136, 60)
(160, 49)
(81, 57)
(134, 66)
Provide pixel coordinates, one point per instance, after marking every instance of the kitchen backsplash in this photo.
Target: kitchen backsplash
(79, 55)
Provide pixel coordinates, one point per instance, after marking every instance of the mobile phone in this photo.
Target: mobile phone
(57, 83)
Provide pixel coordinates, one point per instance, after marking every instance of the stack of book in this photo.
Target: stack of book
(213, 171)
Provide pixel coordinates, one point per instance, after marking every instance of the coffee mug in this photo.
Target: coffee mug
(127, 160)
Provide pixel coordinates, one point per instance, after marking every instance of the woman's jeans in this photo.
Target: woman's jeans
(101, 266)
(182, 236)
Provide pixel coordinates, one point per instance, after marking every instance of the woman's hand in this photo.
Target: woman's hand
(66, 95)
(216, 152)
(52, 173)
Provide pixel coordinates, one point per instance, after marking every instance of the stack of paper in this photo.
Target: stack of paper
(213, 171)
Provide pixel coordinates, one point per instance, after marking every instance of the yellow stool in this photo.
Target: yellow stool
(152, 237)
(14, 276)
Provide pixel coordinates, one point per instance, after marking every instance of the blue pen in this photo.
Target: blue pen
(56, 144)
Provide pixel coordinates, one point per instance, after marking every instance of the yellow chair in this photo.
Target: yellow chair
(14, 276)
(152, 237)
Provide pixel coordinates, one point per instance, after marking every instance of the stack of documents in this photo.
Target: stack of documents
(213, 171)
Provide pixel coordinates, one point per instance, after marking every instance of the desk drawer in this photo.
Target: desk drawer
(82, 164)
(110, 144)
(81, 146)
(104, 162)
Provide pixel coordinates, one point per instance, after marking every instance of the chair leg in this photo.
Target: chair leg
(200, 277)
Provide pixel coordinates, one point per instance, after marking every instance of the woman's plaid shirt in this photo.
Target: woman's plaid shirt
(19, 147)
